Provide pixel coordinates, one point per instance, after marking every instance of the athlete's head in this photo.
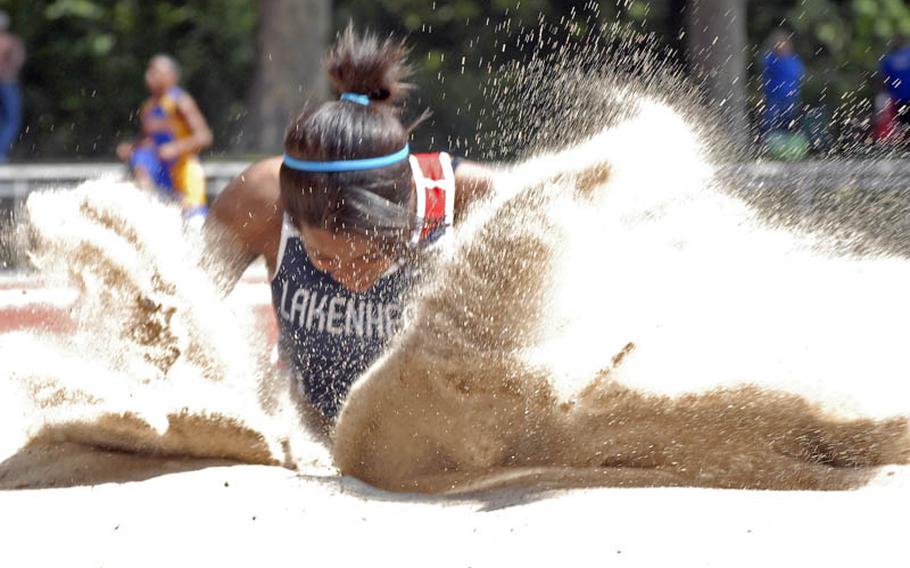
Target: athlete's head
(162, 73)
(354, 224)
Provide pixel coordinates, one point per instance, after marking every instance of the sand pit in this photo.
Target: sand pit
(151, 365)
(255, 515)
(591, 270)
(116, 426)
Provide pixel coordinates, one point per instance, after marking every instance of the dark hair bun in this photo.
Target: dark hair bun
(368, 66)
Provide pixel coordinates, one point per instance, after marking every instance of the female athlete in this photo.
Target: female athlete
(343, 218)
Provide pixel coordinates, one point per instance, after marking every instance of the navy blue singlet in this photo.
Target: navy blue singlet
(330, 335)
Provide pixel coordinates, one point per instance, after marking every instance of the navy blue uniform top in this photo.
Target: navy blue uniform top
(781, 78)
(896, 69)
(329, 335)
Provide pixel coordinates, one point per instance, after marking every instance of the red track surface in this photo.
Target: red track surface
(46, 309)
(45, 318)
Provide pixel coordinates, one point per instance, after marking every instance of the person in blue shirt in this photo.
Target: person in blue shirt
(895, 71)
(782, 75)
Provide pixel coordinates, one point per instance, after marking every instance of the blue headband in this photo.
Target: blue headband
(348, 165)
(355, 98)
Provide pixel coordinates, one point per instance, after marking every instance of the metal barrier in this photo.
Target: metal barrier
(803, 181)
(18, 180)
(822, 175)
(866, 197)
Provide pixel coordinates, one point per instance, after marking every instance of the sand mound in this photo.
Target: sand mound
(606, 318)
(160, 364)
(580, 267)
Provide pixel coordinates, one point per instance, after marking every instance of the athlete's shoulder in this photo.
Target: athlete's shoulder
(258, 185)
(250, 205)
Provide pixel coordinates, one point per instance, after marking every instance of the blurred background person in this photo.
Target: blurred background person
(884, 123)
(782, 75)
(895, 72)
(12, 57)
(173, 132)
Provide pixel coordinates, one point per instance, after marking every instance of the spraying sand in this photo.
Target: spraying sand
(607, 318)
(160, 364)
(618, 262)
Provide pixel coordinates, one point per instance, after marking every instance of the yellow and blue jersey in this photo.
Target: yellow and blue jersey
(181, 179)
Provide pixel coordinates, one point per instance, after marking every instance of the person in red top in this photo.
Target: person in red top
(342, 218)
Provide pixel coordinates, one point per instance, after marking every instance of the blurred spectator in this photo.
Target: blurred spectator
(884, 122)
(895, 72)
(816, 127)
(12, 57)
(782, 74)
(173, 132)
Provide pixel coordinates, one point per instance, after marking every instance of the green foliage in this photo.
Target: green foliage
(457, 44)
(84, 75)
(83, 78)
(841, 41)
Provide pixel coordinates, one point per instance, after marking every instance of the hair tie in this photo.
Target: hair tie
(356, 98)
(355, 165)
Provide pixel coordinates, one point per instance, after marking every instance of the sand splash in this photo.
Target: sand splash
(606, 318)
(160, 364)
(722, 353)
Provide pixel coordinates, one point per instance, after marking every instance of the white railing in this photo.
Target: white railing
(806, 178)
(18, 180)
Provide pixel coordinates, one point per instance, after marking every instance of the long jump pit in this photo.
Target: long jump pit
(136, 432)
(78, 506)
(108, 508)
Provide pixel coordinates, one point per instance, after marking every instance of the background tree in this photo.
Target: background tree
(83, 78)
(716, 49)
(291, 40)
(841, 42)
(457, 45)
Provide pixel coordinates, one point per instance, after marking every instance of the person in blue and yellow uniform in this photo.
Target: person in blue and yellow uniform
(173, 132)
(342, 220)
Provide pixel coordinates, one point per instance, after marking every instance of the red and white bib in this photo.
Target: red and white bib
(434, 177)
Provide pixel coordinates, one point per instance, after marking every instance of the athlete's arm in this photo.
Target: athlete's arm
(472, 182)
(244, 222)
(125, 149)
(200, 136)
